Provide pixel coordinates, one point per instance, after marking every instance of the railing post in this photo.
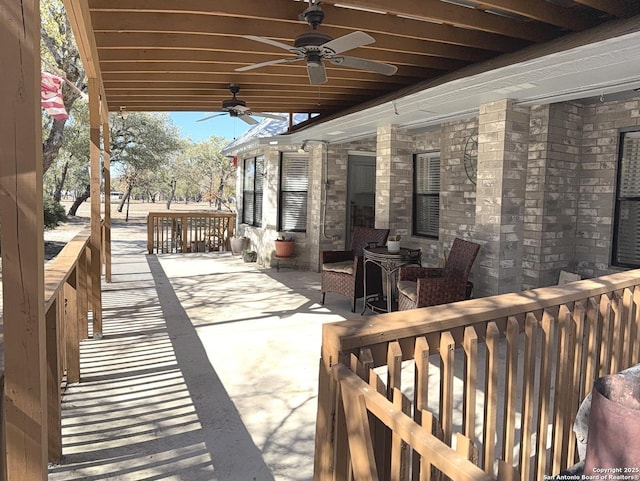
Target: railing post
(326, 417)
(150, 221)
(72, 321)
(54, 420)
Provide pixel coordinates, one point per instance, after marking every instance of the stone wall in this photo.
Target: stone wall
(544, 199)
(552, 192)
(597, 189)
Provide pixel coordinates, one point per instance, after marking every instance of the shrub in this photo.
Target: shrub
(54, 214)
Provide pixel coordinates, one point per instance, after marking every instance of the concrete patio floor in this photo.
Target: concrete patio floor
(207, 370)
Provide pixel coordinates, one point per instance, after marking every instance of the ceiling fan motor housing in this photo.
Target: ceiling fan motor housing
(311, 39)
(233, 103)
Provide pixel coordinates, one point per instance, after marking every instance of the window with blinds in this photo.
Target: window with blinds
(426, 194)
(626, 250)
(252, 188)
(294, 184)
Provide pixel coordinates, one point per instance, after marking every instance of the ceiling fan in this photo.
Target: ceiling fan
(315, 46)
(238, 108)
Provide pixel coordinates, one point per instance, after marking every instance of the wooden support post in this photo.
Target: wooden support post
(106, 139)
(54, 398)
(25, 398)
(96, 228)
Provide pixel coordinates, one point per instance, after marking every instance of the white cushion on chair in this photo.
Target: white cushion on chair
(345, 267)
(408, 289)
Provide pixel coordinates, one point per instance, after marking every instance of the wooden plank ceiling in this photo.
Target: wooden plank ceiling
(175, 55)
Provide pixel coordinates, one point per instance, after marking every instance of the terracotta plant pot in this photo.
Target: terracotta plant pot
(285, 248)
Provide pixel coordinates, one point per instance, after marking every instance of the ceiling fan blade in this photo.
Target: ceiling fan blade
(248, 119)
(268, 41)
(270, 116)
(317, 73)
(350, 41)
(210, 117)
(364, 64)
(264, 64)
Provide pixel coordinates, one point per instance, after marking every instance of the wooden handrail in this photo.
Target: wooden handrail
(66, 294)
(542, 348)
(189, 231)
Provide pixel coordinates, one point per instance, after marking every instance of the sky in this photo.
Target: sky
(221, 126)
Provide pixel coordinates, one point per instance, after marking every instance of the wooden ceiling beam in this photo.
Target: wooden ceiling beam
(258, 89)
(241, 78)
(296, 69)
(241, 59)
(226, 33)
(435, 10)
(544, 11)
(287, 11)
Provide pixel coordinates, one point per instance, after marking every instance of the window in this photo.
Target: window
(294, 182)
(426, 194)
(252, 191)
(626, 243)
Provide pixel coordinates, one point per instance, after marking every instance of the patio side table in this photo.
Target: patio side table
(389, 262)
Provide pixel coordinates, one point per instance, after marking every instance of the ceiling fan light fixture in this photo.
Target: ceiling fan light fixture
(314, 60)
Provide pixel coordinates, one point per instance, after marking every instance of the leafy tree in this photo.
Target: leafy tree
(212, 172)
(60, 57)
(142, 143)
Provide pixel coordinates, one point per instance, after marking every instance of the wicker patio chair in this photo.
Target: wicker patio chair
(430, 286)
(343, 271)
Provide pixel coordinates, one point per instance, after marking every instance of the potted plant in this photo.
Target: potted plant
(249, 256)
(238, 244)
(393, 243)
(285, 246)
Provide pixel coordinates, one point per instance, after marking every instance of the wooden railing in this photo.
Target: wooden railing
(169, 232)
(66, 295)
(480, 389)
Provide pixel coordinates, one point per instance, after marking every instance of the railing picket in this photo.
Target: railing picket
(549, 319)
(627, 324)
(616, 334)
(431, 424)
(563, 384)
(470, 344)
(466, 448)
(529, 381)
(380, 435)
(510, 390)
(421, 391)
(399, 448)
(394, 366)
(491, 398)
(360, 447)
(447, 350)
(593, 334)
(579, 362)
(607, 335)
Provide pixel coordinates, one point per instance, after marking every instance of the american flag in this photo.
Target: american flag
(51, 96)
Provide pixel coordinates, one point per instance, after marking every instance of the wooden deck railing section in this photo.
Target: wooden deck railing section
(507, 376)
(169, 232)
(66, 295)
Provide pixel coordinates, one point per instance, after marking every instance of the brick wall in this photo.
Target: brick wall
(551, 193)
(597, 188)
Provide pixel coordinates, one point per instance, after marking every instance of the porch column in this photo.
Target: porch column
(552, 192)
(503, 131)
(394, 168)
(96, 228)
(24, 403)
